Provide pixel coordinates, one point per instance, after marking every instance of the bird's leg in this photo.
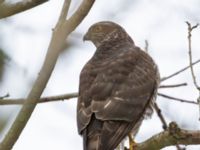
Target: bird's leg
(132, 143)
(118, 147)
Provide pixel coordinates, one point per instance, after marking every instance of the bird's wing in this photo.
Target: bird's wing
(123, 89)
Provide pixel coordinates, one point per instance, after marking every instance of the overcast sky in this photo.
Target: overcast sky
(25, 37)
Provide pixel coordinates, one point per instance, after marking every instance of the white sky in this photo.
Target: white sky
(53, 125)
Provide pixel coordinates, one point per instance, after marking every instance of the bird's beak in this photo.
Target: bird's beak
(86, 37)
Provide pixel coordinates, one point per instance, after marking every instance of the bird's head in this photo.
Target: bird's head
(104, 31)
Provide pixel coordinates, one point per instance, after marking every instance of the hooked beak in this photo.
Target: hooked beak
(86, 37)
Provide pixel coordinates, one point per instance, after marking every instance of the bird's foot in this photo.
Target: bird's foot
(132, 143)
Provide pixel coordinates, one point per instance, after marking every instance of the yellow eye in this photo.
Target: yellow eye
(97, 29)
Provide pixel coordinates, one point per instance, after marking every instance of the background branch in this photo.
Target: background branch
(190, 29)
(7, 9)
(60, 33)
(180, 71)
(21, 101)
(173, 85)
(177, 99)
(146, 48)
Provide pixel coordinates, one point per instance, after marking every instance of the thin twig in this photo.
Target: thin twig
(177, 99)
(146, 48)
(159, 113)
(180, 71)
(21, 101)
(190, 29)
(173, 85)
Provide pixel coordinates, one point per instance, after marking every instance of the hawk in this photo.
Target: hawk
(117, 88)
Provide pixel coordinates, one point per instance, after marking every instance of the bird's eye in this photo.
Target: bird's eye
(97, 29)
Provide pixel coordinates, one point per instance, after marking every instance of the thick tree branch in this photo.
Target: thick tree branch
(164, 122)
(159, 113)
(7, 9)
(172, 136)
(60, 33)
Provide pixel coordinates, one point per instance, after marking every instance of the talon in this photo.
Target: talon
(132, 143)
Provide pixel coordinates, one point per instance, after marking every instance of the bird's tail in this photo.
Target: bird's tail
(92, 134)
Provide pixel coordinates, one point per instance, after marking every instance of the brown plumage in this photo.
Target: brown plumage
(117, 87)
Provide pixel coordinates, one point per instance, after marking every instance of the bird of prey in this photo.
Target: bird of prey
(117, 88)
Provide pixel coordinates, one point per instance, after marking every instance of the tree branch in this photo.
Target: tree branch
(190, 28)
(164, 122)
(7, 10)
(146, 48)
(21, 101)
(172, 136)
(173, 85)
(180, 71)
(60, 33)
(81, 12)
(177, 99)
(159, 113)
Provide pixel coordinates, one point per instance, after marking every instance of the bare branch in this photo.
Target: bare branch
(173, 85)
(190, 28)
(7, 10)
(61, 32)
(177, 99)
(146, 48)
(21, 101)
(180, 71)
(171, 136)
(159, 113)
(164, 123)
